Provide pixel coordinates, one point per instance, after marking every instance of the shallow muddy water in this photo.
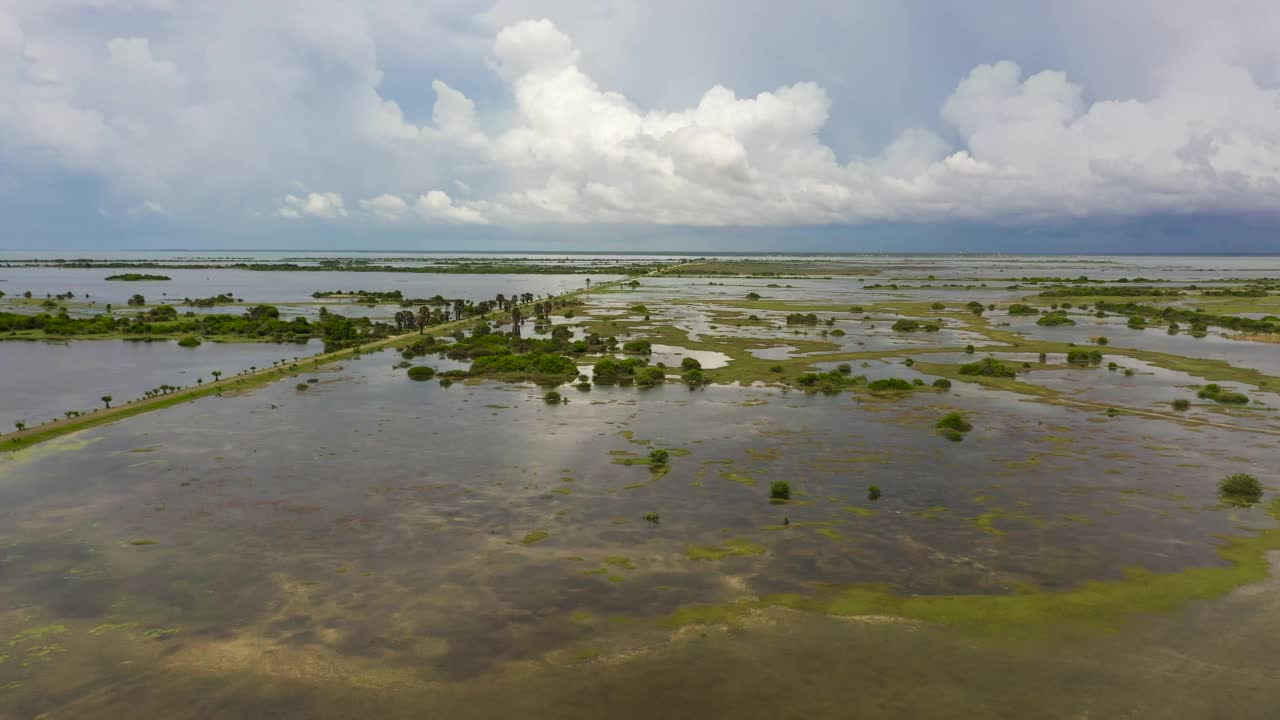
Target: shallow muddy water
(378, 547)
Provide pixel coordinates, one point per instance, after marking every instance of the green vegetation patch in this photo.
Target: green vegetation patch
(728, 548)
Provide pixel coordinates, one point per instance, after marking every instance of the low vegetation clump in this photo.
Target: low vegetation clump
(136, 277)
(652, 518)
(802, 319)
(873, 492)
(1022, 309)
(780, 490)
(528, 365)
(942, 384)
(1240, 488)
(988, 367)
(659, 457)
(1084, 357)
(1054, 319)
(301, 386)
(1216, 393)
(906, 325)
(421, 372)
(189, 341)
(690, 364)
(1181, 404)
(610, 371)
(1137, 322)
(552, 398)
(889, 385)
(825, 382)
(650, 376)
(638, 347)
(954, 421)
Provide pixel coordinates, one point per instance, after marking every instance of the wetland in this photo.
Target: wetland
(772, 486)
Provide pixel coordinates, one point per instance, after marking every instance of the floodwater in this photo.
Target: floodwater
(378, 547)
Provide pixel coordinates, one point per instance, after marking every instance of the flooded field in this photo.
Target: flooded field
(350, 542)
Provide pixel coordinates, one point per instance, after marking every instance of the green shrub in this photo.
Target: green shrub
(552, 397)
(421, 372)
(954, 421)
(952, 435)
(780, 490)
(942, 384)
(988, 367)
(968, 349)
(301, 386)
(659, 457)
(1055, 318)
(844, 368)
(1240, 488)
(639, 347)
(906, 325)
(1084, 357)
(189, 341)
(650, 376)
(1022, 309)
(1216, 393)
(690, 364)
(652, 517)
(1181, 404)
(873, 492)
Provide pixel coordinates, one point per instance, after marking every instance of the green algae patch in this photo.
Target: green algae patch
(728, 548)
(37, 633)
(619, 561)
(143, 541)
(110, 627)
(535, 536)
(1098, 605)
(859, 510)
(738, 478)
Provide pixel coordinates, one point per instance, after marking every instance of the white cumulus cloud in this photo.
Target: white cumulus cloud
(327, 205)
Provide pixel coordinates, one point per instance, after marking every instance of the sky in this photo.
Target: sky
(925, 125)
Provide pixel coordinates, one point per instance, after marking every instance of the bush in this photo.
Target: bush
(1240, 488)
(1101, 340)
(659, 457)
(942, 384)
(650, 376)
(780, 490)
(1214, 392)
(652, 517)
(968, 349)
(906, 325)
(552, 397)
(954, 421)
(873, 492)
(844, 368)
(690, 364)
(753, 296)
(189, 341)
(1022, 309)
(1084, 357)
(988, 367)
(775, 369)
(301, 386)
(1054, 319)
(952, 435)
(889, 385)
(639, 347)
(694, 378)
(1181, 404)
(421, 372)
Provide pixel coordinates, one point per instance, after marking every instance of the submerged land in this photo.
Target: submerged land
(914, 486)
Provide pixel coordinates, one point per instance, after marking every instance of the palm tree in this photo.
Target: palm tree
(20, 425)
(216, 374)
(106, 400)
(424, 318)
(502, 301)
